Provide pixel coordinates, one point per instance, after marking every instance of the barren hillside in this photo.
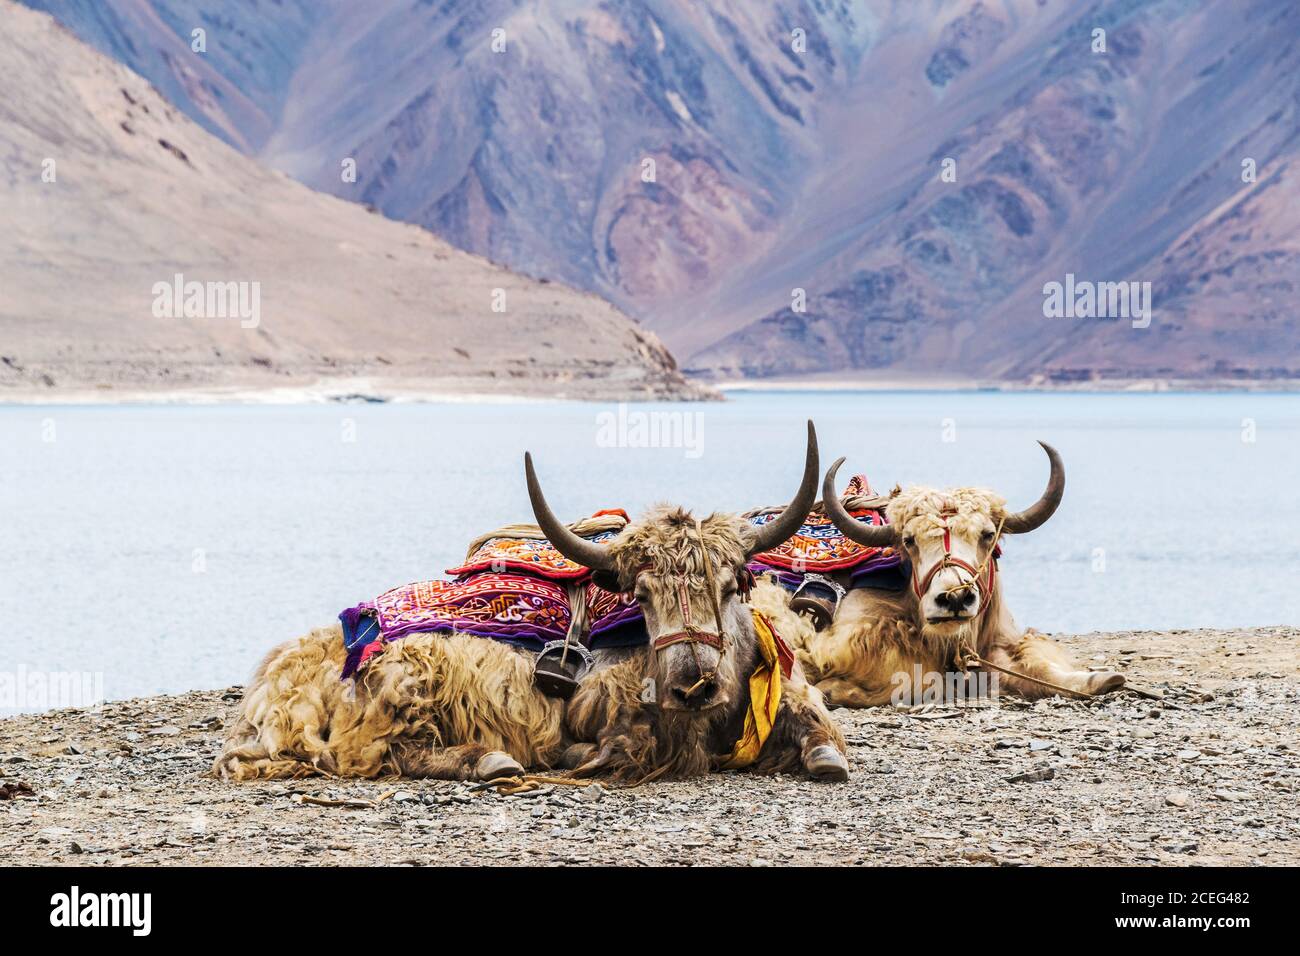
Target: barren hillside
(110, 193)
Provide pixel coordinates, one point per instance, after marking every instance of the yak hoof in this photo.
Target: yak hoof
(496, 764)
(575, 755)
(827, 763)
(1104, 682)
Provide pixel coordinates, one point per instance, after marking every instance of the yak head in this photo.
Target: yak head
(688, 575)
(948, 537)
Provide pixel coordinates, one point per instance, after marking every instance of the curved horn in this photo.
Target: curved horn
(576, 549)
(768, 536)
(1036, 514)
(867, 535)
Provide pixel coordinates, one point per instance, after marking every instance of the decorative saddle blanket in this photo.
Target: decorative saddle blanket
(820, 548)
(516, 589)
(530, 556)
(512, 588)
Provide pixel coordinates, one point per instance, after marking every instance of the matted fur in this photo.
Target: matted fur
(434, 705)
(422, 694)
(879, 638)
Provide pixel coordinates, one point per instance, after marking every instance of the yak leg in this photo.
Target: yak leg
(250, 763)
(804, 727)
(461, 762)
(1038, 656)
(843, 693)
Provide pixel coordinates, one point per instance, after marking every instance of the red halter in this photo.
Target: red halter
(948, 561)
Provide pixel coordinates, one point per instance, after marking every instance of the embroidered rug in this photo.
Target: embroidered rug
(527, 555)
(512, 588)
(821, 548)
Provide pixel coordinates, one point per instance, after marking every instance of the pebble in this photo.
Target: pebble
(1033, 776)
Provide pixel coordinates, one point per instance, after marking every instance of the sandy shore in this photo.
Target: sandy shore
(333, 389)
(1208, 774)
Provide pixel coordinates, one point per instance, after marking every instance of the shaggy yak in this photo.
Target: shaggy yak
(881, 641)
(463, 707)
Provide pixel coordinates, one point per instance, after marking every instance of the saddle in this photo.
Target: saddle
(819, 565)
(516, 588)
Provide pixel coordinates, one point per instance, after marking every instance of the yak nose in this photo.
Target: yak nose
(697, 696)
(957, 600)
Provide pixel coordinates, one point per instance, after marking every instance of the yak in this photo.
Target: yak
(705, 693)
(951, 614)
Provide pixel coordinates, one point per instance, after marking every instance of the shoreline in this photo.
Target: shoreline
(1108, 387)
(366, 393)
(380, 391)
(356, 390)
(1206, 773)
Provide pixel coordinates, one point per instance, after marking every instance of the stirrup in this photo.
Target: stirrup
(818, 597)
(560, 680)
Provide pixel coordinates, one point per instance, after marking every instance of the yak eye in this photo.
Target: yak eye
(910, 540)
(986, 536)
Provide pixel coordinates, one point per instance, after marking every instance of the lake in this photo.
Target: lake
(166, 548)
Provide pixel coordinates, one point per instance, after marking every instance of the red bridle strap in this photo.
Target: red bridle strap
(693, 637)
(921, 585)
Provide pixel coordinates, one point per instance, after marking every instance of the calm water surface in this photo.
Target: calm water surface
(167, 547)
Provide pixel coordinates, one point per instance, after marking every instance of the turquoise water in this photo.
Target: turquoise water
(167, 547)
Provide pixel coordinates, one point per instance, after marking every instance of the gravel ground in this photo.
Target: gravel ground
(1206, 775)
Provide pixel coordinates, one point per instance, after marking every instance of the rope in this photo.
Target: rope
(517, 784)
(973, 658)
(979, 572)
(970, 656)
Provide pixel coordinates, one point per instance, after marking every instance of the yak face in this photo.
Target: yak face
(948, 538)
(662, 558)
(684, 571)
(691, 668)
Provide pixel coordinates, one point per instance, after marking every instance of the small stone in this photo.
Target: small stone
(1035, 745)
(1033, 776)
(1177, 798)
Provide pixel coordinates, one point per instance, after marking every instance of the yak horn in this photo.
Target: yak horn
(1042, 509)
(775, 532)
(576, 549)
(867, 535)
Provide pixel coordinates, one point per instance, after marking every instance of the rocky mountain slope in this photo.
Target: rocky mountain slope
(110, 193)
(699, 163)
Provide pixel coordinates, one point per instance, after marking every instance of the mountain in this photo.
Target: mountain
(112, 194)
(799, 145)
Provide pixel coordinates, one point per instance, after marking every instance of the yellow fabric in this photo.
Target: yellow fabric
(764, 700)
